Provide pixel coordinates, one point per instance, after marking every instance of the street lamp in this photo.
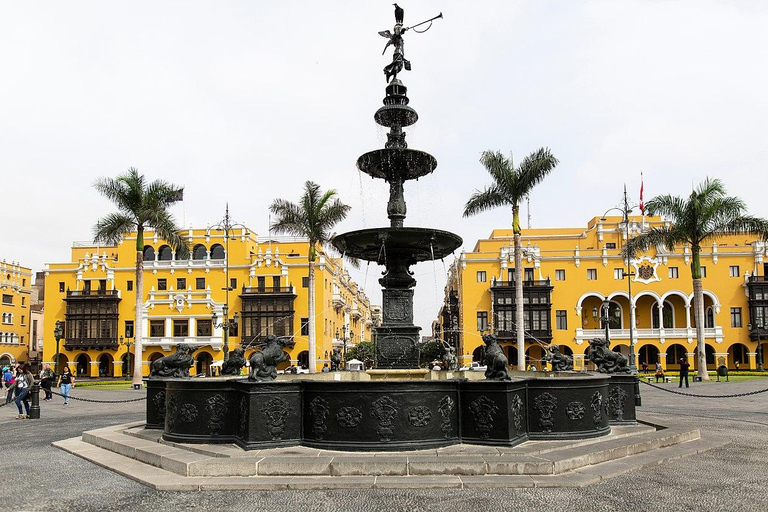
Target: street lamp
(226, 324)
(58, 333)
(758, 329)
(225, 225)
(344, 339)
(127, 342)
(625, 211)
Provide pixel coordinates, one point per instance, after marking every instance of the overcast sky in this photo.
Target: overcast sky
(243, 101)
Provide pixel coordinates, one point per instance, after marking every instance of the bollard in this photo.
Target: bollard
(34, 411)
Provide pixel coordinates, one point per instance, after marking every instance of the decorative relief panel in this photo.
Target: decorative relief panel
(545, 404)
(276, 410)
(384, 410)
(217, 410)
(483, 411)
(318, 409)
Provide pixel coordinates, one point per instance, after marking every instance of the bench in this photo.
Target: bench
(652, 378)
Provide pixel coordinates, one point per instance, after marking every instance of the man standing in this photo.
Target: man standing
(8, 380)
(684, 365)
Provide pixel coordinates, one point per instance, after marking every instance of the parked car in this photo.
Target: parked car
(474, 366)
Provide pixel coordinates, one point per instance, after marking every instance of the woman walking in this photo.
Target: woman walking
(66, 383)
(24, 381)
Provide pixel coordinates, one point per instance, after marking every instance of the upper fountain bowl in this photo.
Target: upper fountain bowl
(406, 244)
(391, 163)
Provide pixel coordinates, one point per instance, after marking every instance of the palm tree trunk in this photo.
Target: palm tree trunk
(698, 315)
(698, 311)
(311, 315)
(137, 328)
(519, 311)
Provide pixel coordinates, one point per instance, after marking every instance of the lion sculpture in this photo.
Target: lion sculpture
(560, 362)
(234, 362)
(605, 359)
(264, 363)
(495, 360)
(174, 365)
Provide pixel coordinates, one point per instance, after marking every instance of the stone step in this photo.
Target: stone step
(161, 479)
(467, 460)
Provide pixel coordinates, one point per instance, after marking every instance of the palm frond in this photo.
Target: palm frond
(487, 199)
(111, 229)
(500, 168)
(533, 169)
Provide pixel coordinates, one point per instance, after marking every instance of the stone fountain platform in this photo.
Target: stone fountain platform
(142, 455)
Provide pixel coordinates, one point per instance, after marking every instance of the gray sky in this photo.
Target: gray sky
(242, 102)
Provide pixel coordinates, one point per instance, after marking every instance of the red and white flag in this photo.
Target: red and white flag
(642, 204)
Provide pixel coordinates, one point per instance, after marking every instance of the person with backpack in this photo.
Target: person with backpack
(66, 383)
(8, 380)
(23, 385)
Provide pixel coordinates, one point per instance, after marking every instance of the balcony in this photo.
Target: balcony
(98, 294)
(338, 301)
(166, 343)
(264, 290)
(91, 343)
(526, 283)
(673, 334)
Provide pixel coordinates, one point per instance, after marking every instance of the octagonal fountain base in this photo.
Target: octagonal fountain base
(388, 415)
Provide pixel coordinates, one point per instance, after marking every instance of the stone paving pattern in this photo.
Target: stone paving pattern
(731, 477)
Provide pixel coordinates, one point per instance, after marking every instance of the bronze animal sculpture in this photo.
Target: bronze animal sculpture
(234, 362)
(335, 359)
(264, 363)
(495, 360)
(174, 365)
(605, 359)
(560, 362)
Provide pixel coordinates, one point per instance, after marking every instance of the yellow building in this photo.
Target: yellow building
(260, 284)
(570, 272)
(15, 287)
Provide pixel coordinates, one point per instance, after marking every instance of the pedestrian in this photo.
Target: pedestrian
(645, 368)
(66, 383)
(46, 381)
(684, 365)
(8, 380)
(325, 368)
(23, 384)
(659, 372)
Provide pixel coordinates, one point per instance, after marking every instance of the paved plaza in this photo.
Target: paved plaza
(41, 477)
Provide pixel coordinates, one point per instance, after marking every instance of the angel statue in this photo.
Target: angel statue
(398, 59)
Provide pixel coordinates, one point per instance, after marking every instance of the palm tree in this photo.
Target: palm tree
(141, 206)
(510, 186)
(312, 218)
(706, 215)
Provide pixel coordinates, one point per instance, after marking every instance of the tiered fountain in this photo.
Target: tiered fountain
(389, 414)
(397, 248)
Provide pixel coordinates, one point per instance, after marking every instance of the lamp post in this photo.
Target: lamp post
(127, 343)
(757, 329)
(226, 324)
(58, 333)
(606, 306)
(625, 211)
(344, 339)
(225, 225)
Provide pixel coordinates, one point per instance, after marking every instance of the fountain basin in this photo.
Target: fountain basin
(407, 244)
(392, 163)
(388, 415)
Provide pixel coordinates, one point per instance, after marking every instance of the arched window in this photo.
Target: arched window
(666, 313)
(710, 320)
(165, 253)
(217, 252)
(199, 252)
(149, 253)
